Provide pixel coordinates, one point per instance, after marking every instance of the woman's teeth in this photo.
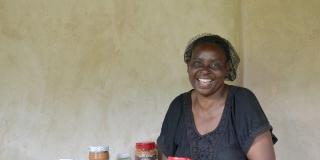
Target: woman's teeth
(205, 82)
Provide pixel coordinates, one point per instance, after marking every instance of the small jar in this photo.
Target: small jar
(178, 158)
(99, 153)
(146, 151)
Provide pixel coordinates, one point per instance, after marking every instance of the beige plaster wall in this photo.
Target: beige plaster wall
(281, 43)
(78, 73)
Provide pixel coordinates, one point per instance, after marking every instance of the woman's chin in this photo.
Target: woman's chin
(203, 92)
(206, 90)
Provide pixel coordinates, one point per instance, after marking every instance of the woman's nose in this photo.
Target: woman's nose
(205, 70)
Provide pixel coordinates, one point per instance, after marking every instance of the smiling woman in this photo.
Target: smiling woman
(215, 120)
(207, 68)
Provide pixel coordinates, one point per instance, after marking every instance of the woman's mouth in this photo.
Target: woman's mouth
(205, 82)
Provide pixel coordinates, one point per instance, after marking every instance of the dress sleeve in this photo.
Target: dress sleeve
(249, 119)
(166, 140)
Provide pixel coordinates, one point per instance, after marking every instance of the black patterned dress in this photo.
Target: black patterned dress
(242, 120)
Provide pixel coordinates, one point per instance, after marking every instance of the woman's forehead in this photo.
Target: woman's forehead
(207, 46)
(208, 51)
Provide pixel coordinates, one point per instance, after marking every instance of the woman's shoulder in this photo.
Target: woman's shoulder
(242, 92)
(181, 98)
(179, 102)
(245, 100)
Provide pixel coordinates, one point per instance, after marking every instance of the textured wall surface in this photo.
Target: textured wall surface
(78, 73)
(282, 60)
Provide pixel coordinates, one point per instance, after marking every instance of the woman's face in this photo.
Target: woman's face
(207, 68)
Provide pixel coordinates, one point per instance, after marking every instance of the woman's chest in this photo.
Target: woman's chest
(207, 122)
(219, 145)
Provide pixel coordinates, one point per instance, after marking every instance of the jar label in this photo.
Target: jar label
(147, 157)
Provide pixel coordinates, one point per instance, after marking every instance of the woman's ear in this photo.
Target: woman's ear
(228, 69)
(228, 66)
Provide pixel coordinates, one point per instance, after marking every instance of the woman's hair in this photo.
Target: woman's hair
(230, 53)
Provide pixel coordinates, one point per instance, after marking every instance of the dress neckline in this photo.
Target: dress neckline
(221, 121)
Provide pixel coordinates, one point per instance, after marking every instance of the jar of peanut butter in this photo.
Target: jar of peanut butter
(99, 153)
(146, 151)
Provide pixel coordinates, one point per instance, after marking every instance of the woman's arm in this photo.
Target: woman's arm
(162, 156)
(262, 148)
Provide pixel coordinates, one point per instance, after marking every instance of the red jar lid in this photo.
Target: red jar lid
(178, 158)
(146, 145)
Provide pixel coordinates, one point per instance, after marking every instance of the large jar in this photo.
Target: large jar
(99, 153)
(146, 151)
(178, 158)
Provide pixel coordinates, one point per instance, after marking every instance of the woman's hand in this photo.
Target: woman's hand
(262, 148)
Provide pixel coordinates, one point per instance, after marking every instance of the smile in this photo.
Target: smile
(205, 83)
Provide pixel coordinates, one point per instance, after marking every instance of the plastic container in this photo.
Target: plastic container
(178, 158)
(99, 153)
(146, 151)
(123, 156)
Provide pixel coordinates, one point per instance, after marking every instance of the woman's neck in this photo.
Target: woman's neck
(215, 100)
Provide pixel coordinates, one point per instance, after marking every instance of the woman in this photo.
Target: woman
(215, 121)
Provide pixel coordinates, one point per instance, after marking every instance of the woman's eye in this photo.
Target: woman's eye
(216, 66)
(196, 64)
